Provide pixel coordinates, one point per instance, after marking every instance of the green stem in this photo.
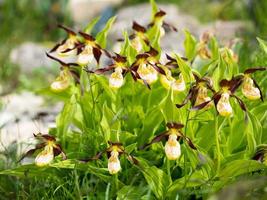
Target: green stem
(168, 167)
(116, 182)
(217, 144)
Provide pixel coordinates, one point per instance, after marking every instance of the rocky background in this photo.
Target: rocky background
(25, 68)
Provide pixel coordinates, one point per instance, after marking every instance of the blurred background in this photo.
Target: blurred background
(28, 28)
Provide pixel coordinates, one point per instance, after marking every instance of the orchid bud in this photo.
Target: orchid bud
(86, 56)
(45, 157)
(62, 82)
(68, 45)
(224, 107)
(114, 165)
(169, 82)
(116, 78)
(203, 51)
(137, 44)
(172, 147)
(248, 89)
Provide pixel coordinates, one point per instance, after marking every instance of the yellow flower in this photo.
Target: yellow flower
(114, 165)
(62, 82)
(223, 106)
(249, 90)
(116, 78)
(172, 147)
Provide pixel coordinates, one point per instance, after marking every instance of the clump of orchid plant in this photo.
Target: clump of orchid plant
(50, 147)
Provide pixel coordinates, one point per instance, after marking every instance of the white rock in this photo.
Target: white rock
(82, 11)
(29, 56)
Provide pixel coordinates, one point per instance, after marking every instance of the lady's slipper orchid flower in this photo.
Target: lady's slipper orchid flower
(50, 150)
(261, 154)
(222, 98)
(113, 152)
(198, 93)
(250, 88)
(68, 46)
(62, 82)
(119, 68)
(172, 135)
(89, 50)
(146, 67)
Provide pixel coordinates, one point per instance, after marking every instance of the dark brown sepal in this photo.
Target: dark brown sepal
(200, 106)
(60, 61)
(68, 30)
(119, 58)
(57, 45)
(189, 142)
(87, 36)
(156, 139)
(174, 125)
(105, 69)
(97, 54)
(189, 96)
(252, 70)
(158, 69)
(138, 28)
(257, 86)
(160, 13)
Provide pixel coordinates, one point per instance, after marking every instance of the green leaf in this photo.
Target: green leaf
(157, 180)
(237, 168)
(263, 44)
(190, 44)
(101, 37)
(88, 29)
(127, 49)
(152, 121)
(64, 119)
(194, 180)
(131, 193)
(185, 69)
(154, 8)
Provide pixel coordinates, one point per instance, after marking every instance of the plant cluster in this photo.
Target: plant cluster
(138, 100)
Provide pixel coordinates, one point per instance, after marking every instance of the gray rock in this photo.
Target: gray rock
(142, 14)
(173, 41)
(24, 114)
(30, 56)
(82, 11)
